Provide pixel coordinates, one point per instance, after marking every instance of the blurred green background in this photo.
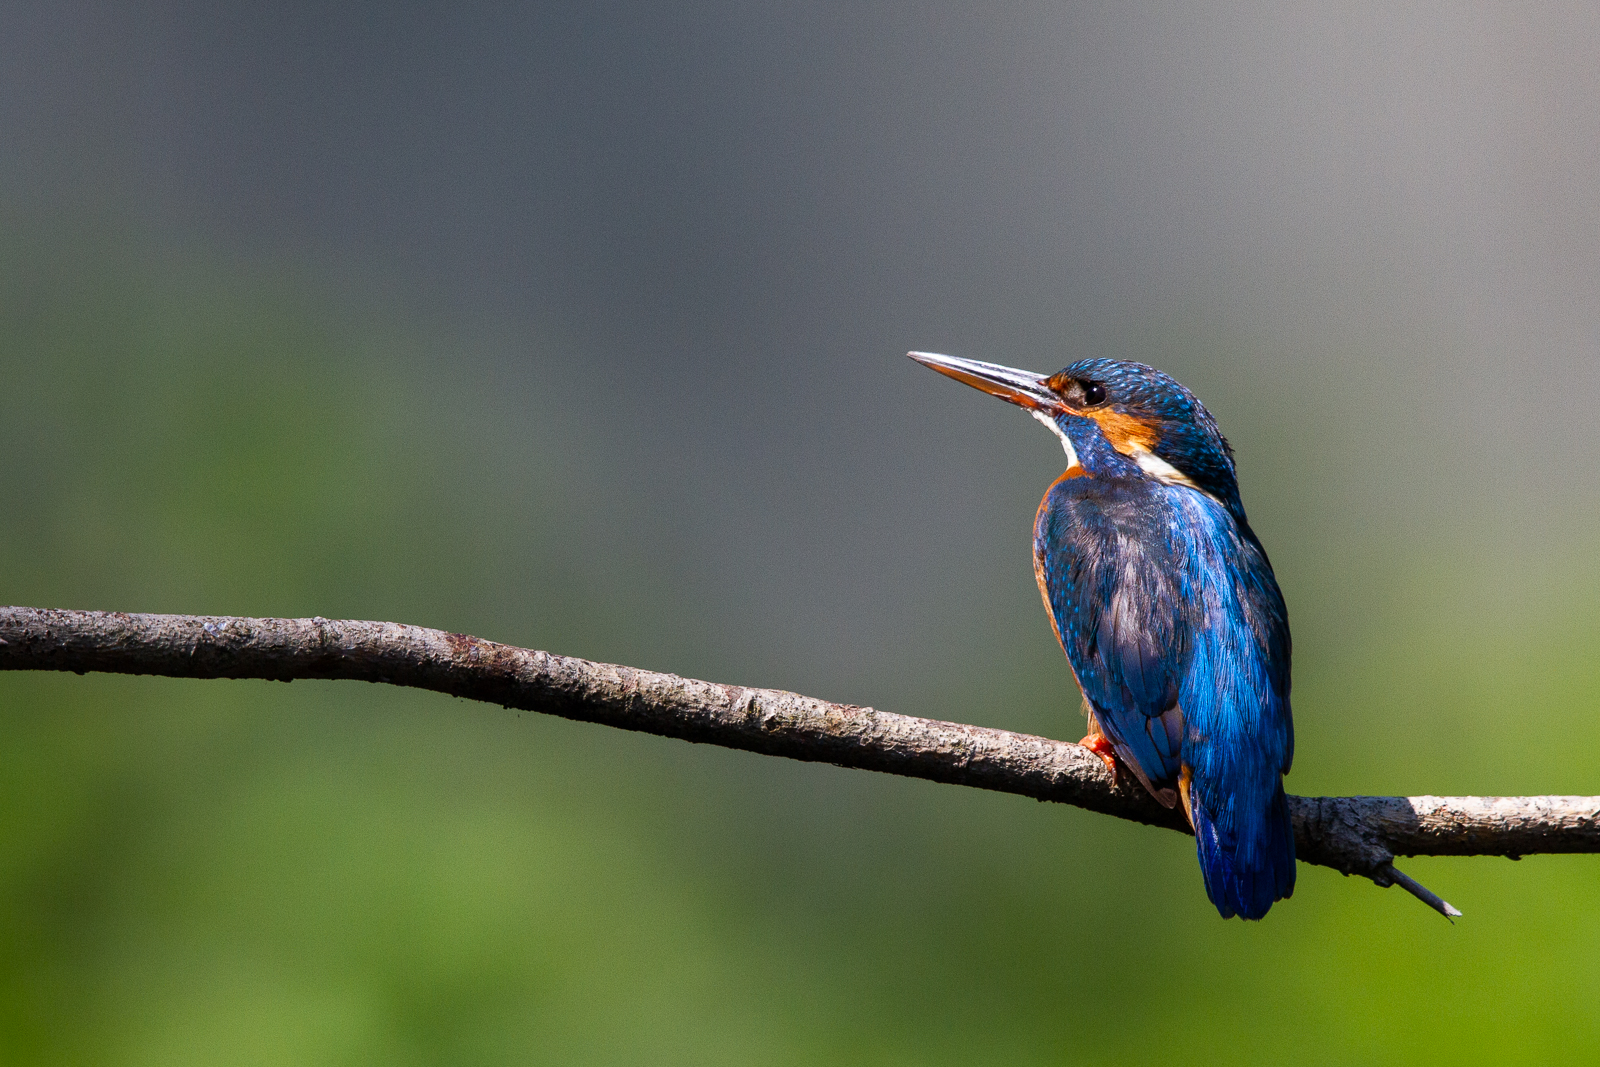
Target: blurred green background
(581, 328)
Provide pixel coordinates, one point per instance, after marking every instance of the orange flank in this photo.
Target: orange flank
(1074, 471)
(1184, 774)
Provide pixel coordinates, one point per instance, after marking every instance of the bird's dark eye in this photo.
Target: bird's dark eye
(1094, 394)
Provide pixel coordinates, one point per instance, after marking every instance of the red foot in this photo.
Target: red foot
(1102, 748)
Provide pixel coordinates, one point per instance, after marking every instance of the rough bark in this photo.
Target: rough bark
(1355, 835)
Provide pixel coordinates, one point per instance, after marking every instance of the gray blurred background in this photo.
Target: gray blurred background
(583, 327)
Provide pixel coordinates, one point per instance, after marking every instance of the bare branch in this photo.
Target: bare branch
(1355, 835)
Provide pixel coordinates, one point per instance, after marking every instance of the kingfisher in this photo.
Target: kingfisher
(1166, 606)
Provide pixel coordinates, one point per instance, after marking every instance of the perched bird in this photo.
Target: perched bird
(1164, 602)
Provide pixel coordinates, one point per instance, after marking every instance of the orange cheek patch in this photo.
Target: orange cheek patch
(1127, 433)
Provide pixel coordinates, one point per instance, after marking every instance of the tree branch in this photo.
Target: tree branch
(1355, 835)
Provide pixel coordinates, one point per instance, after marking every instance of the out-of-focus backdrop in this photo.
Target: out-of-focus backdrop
(583, 327)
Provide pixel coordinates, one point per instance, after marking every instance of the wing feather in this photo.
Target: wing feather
(1113, 594)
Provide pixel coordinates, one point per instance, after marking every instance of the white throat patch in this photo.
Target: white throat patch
(1066, 442)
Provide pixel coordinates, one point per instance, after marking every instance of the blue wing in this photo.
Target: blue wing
(1239, 741)
(1168, 611)
(1112, 583)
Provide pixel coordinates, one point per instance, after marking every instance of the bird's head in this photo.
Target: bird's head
(1115, 415)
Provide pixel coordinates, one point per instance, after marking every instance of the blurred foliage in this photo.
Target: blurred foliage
(256, 873)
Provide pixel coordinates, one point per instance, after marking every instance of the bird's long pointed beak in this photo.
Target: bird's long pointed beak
(1022, 387)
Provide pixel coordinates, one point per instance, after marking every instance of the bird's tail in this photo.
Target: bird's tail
(1246, 867)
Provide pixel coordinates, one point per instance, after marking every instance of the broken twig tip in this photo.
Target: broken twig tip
(1423, 893)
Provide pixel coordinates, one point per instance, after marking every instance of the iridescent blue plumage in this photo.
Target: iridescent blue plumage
(1167, 609)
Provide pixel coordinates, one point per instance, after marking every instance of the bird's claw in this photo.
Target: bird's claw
(1102, 748)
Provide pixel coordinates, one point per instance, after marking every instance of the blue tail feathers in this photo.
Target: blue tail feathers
(1241, 880)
